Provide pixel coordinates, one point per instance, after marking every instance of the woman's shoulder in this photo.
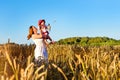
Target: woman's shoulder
(36, 36)
(33, 36)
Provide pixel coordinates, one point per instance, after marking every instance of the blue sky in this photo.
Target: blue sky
(68, 18)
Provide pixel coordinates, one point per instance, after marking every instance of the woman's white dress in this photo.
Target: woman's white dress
(40, 49)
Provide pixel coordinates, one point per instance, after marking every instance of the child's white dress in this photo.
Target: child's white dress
(40, 49)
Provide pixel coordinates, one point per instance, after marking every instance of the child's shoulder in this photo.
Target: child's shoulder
(45, 26)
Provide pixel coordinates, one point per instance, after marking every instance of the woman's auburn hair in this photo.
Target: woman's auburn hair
(30, 32)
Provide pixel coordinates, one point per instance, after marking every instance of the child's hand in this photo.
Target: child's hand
(48, 27)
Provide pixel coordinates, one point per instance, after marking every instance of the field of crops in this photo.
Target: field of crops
(66, 62)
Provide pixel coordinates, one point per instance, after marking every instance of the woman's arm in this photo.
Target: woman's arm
(36, 36)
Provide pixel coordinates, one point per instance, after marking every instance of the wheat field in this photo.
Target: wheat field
(66, 62)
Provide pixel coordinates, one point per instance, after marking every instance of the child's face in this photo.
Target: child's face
(43, 23)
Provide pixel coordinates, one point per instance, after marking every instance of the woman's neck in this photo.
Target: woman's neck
(35, 32)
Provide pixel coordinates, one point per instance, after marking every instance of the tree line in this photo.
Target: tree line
(89, 41)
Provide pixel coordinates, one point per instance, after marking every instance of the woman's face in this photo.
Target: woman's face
(34, 29)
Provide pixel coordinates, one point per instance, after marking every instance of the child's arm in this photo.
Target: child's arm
(48, 27)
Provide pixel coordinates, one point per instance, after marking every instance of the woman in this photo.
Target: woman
(40, 50)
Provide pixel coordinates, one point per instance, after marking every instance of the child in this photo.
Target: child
(44, 30)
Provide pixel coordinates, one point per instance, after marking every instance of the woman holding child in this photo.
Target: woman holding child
(40, 40)
(40, 50)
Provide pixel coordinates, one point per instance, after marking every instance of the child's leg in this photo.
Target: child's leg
(49, 38)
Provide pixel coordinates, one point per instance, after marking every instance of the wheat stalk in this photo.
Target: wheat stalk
(5, 73)
(26, 70)
(12, 77)
(60, 71)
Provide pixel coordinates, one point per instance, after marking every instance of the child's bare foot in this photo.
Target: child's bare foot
(52, 42)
